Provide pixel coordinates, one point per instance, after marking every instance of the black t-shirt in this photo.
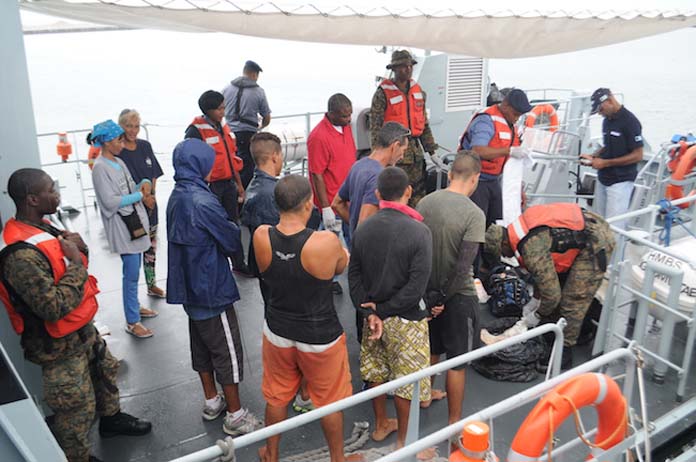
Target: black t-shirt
(141, 164)
(622, 134)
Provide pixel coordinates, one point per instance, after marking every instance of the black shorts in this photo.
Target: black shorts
(217, 347)
(457, 330)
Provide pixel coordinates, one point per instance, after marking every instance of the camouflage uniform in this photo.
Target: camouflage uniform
(413, 162)
(582, 281)
(79, 373)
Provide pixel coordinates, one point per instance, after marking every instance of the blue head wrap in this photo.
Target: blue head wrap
(105, 131)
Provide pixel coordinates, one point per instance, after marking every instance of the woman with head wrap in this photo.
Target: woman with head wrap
(138, 156)
(124, 217)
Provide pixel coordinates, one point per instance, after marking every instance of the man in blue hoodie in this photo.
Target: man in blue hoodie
(201, 238)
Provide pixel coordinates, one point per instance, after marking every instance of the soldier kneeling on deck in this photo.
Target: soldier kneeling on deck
(51, 300)
(566, 249)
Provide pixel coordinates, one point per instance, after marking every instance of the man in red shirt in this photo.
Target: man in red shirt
(331, 154)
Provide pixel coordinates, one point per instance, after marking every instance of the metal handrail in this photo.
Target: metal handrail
(367, 395)
(515, 402)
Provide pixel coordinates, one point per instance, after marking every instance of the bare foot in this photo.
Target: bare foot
(381, 433)
(355, 457)
(264, 455)
(427, 454)
(435, 395)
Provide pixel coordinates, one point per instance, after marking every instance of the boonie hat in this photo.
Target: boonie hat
(252, 66)
(399, 58)
(599, 96)
(517, 99)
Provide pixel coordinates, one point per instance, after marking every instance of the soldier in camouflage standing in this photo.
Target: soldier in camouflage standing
(402, 100)
(51, 301)
(566, 250)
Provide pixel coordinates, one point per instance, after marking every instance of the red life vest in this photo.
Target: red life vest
(559, 215)
(408, 110)
(225, 149)
(504, 137)
(17, 231)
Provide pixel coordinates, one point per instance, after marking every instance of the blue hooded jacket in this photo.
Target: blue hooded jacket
(200, 237)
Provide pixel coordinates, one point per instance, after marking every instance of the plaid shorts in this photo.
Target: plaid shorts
(403, 349)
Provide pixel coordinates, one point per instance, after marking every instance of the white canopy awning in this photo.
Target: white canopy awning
(488, 34)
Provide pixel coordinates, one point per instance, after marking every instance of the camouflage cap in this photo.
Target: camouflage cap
(401, 57)
(494, 241)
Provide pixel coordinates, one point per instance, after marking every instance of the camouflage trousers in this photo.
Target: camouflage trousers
(150, 257)
(583, 279)
(75, 388)
(413, 163)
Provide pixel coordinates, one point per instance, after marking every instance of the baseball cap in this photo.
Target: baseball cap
(517, 99)
(599, 96)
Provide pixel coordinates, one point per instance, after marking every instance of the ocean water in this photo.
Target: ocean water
(79, 79)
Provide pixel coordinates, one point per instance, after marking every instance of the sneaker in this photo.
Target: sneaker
(302, 406)
(336, 288)
(123, 424)
(213, 412)
(245, 424)
(154, 291)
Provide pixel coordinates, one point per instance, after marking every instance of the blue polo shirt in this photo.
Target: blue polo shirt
(622, 134)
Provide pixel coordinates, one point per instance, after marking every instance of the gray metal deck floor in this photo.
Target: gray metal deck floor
(157, 382)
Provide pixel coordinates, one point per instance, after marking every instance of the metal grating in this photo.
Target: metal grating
(465, 78)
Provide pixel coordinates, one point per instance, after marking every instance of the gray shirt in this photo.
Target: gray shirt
(252, 104)
(110, 184)
(452, 218)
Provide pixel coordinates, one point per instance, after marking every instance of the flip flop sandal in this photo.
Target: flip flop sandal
(138, 330)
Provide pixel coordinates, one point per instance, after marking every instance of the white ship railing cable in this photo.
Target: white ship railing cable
(367, 395)
(525, 397)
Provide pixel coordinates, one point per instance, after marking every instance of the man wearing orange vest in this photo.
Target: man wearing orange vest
(491, 134)
(566, 249)
(402, 100)
(51, 300)
(224, 179)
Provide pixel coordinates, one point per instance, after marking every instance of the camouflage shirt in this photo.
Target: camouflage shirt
(414, 152)
(29, 273)
(536, 254)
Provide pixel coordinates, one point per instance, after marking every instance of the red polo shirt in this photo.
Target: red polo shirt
(331, 154)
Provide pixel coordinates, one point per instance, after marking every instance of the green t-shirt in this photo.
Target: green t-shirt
(452, 218)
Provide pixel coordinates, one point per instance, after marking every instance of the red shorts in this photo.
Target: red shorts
(286, 362)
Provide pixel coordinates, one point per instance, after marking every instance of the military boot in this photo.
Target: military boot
(123, 424)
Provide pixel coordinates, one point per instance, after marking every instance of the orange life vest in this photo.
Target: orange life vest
(560, 215)
(505, 136)
(17, 231)
(408, 110)
(225, 149)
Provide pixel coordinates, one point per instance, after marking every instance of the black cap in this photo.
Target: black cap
(210, 100)
(517, 99)
(252, 66)
(599, 96)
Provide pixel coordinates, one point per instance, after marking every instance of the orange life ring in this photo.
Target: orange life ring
(539, 110)
(684, 167)
(594, 389)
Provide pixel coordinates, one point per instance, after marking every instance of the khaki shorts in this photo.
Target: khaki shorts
(403, 349)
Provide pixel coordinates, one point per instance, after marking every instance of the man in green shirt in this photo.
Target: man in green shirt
(458, 228)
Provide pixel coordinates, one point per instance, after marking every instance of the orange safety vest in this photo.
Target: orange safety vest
(559, 215)
(225, 149)
(408, 110)
(505, 136)
(49, 245)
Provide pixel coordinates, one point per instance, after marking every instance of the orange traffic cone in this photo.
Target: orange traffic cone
(473, 445)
